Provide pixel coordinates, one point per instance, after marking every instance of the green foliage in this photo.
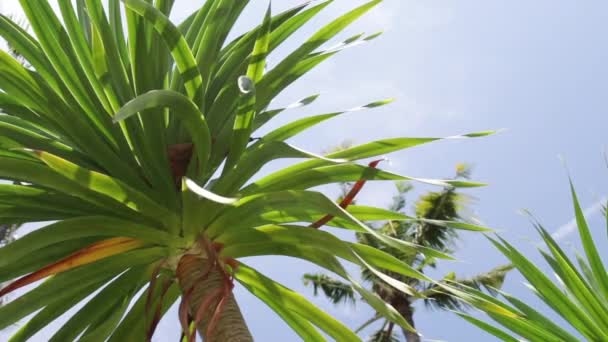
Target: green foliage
(427, 229)
(335, 290)
(140, 131)
(579, 295)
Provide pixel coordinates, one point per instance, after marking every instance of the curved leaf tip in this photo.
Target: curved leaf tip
(202, 192)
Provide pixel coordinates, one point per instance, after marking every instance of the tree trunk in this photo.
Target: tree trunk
(404, 307)
(231, 326)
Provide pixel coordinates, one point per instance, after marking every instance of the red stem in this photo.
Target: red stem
(348, 199)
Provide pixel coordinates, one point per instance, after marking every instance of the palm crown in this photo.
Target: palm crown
(431, 209)
(136, 140)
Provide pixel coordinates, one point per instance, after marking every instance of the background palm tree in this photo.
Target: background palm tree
(579, 294)
(138, 145)
(445, 205)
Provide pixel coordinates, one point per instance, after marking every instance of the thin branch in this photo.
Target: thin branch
(367, 323)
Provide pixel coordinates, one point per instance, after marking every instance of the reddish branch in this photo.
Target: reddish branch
(348, 199)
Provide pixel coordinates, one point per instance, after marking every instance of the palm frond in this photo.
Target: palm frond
(464, 170)
(579, 295)
(384, 336)
(399, 199)
(335, 290)
(491, 281)
(22, 24)
(437, 206)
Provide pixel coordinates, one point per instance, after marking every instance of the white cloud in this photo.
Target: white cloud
(570, 227)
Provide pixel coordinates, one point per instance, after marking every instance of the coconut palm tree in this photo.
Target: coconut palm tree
(135, 140)
(7, 233)
(579, 295)
(445, 205)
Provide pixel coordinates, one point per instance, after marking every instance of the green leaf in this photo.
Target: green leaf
(478, 299)
(540, 319)
(525, 328)
(488, 328)
(78, 228)
(233, 58)
(458, 225)
(72, 280)
(372, 149)
(584, 294)
(328, 261)
(104, 93)
(102, 304)
(32, 91)
(16, 168)
(83, 18)
(200, 191)
(109, 50)
(241, 131)
(272, 292)
(257, 61)
(117, 29)
(83, 52)
(20, 198)
(595, 261)
(182, 107)
(255, 158)
(31, 51)
(105, 325)
(51, 312)
(184, 59)
(263, 240)
(133, 326)
(34, 140)
(58, 48)
(267, 88)
(211, 36)
(295, 127)
(366, 213)
(305, 206)
(549, 292)
(243, 123)
(263, 117)
(43, 257)
(225, 91)
(331, 174)
(300, 325)
(110, 188)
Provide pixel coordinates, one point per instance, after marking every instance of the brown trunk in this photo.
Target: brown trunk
(231, 326)
(405, 309)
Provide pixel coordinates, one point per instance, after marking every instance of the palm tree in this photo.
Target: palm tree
(579, 295)
(7, 233)
(431, 210)
(135, 139)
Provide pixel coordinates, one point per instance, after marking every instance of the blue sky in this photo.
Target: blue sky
(536, 68)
